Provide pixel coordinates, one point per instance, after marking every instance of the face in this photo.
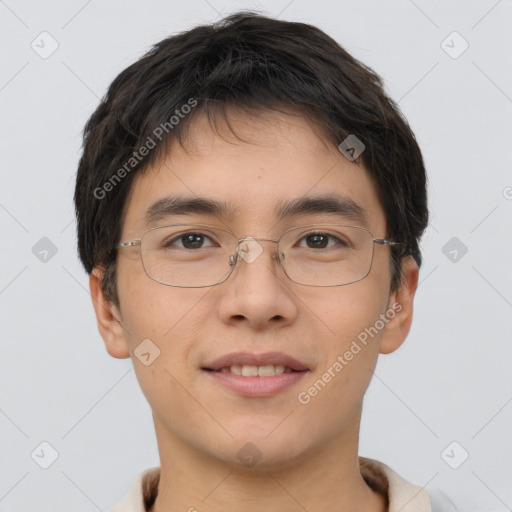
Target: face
(257, 310)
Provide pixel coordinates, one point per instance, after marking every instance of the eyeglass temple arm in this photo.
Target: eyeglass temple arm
(381, 241)
(128, 244)
(386, 242)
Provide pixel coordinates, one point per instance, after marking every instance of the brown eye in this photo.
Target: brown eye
(192, 241)
(187, 241)
(322, 241)
(317, 241)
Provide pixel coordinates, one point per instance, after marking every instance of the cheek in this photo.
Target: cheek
(350, 321)
(350, 353)
(150, 309)
(161, 331)
(351, 309)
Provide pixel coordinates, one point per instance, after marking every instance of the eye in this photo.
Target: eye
(322, 241)
(189, 240)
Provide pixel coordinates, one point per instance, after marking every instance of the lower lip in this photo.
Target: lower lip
(257, 386)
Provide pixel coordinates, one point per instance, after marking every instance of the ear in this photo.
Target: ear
(108, 317)
(401, 303)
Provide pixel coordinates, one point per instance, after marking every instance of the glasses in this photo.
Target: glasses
(201, 255)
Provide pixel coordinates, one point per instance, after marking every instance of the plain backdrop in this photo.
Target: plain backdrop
(439, 411)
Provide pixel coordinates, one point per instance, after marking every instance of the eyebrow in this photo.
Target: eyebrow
(330, 204)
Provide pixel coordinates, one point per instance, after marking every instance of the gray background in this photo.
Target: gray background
(451, 381)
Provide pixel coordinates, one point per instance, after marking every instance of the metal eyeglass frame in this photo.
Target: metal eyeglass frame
(234, 258)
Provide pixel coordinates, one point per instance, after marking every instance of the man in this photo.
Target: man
(250, 205)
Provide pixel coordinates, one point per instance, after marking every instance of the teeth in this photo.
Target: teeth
(254, 371)
(237, 370)
(268, 370)
(250, 371)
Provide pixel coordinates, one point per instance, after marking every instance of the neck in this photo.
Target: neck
(328, 478)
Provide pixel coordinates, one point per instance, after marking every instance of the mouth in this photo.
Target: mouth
(268, 370)
(256, 375)
(249, 364)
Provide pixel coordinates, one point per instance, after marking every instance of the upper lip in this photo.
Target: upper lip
(250, 359)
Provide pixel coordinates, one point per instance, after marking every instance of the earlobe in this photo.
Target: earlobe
(400, 308)
(108, 317)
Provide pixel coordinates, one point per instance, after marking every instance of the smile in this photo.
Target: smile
(267, 370)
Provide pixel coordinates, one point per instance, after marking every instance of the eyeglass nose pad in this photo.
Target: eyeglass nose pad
(233, 258)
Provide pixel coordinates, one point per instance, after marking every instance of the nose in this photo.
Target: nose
(257, 292)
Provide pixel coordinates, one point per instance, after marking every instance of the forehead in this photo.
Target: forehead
(255, 174)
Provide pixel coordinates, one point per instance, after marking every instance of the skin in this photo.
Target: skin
(308, 452)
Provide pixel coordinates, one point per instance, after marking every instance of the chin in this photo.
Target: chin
(261, 449)
(258, 457)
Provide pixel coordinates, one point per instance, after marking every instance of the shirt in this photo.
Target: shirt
(402, 496)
